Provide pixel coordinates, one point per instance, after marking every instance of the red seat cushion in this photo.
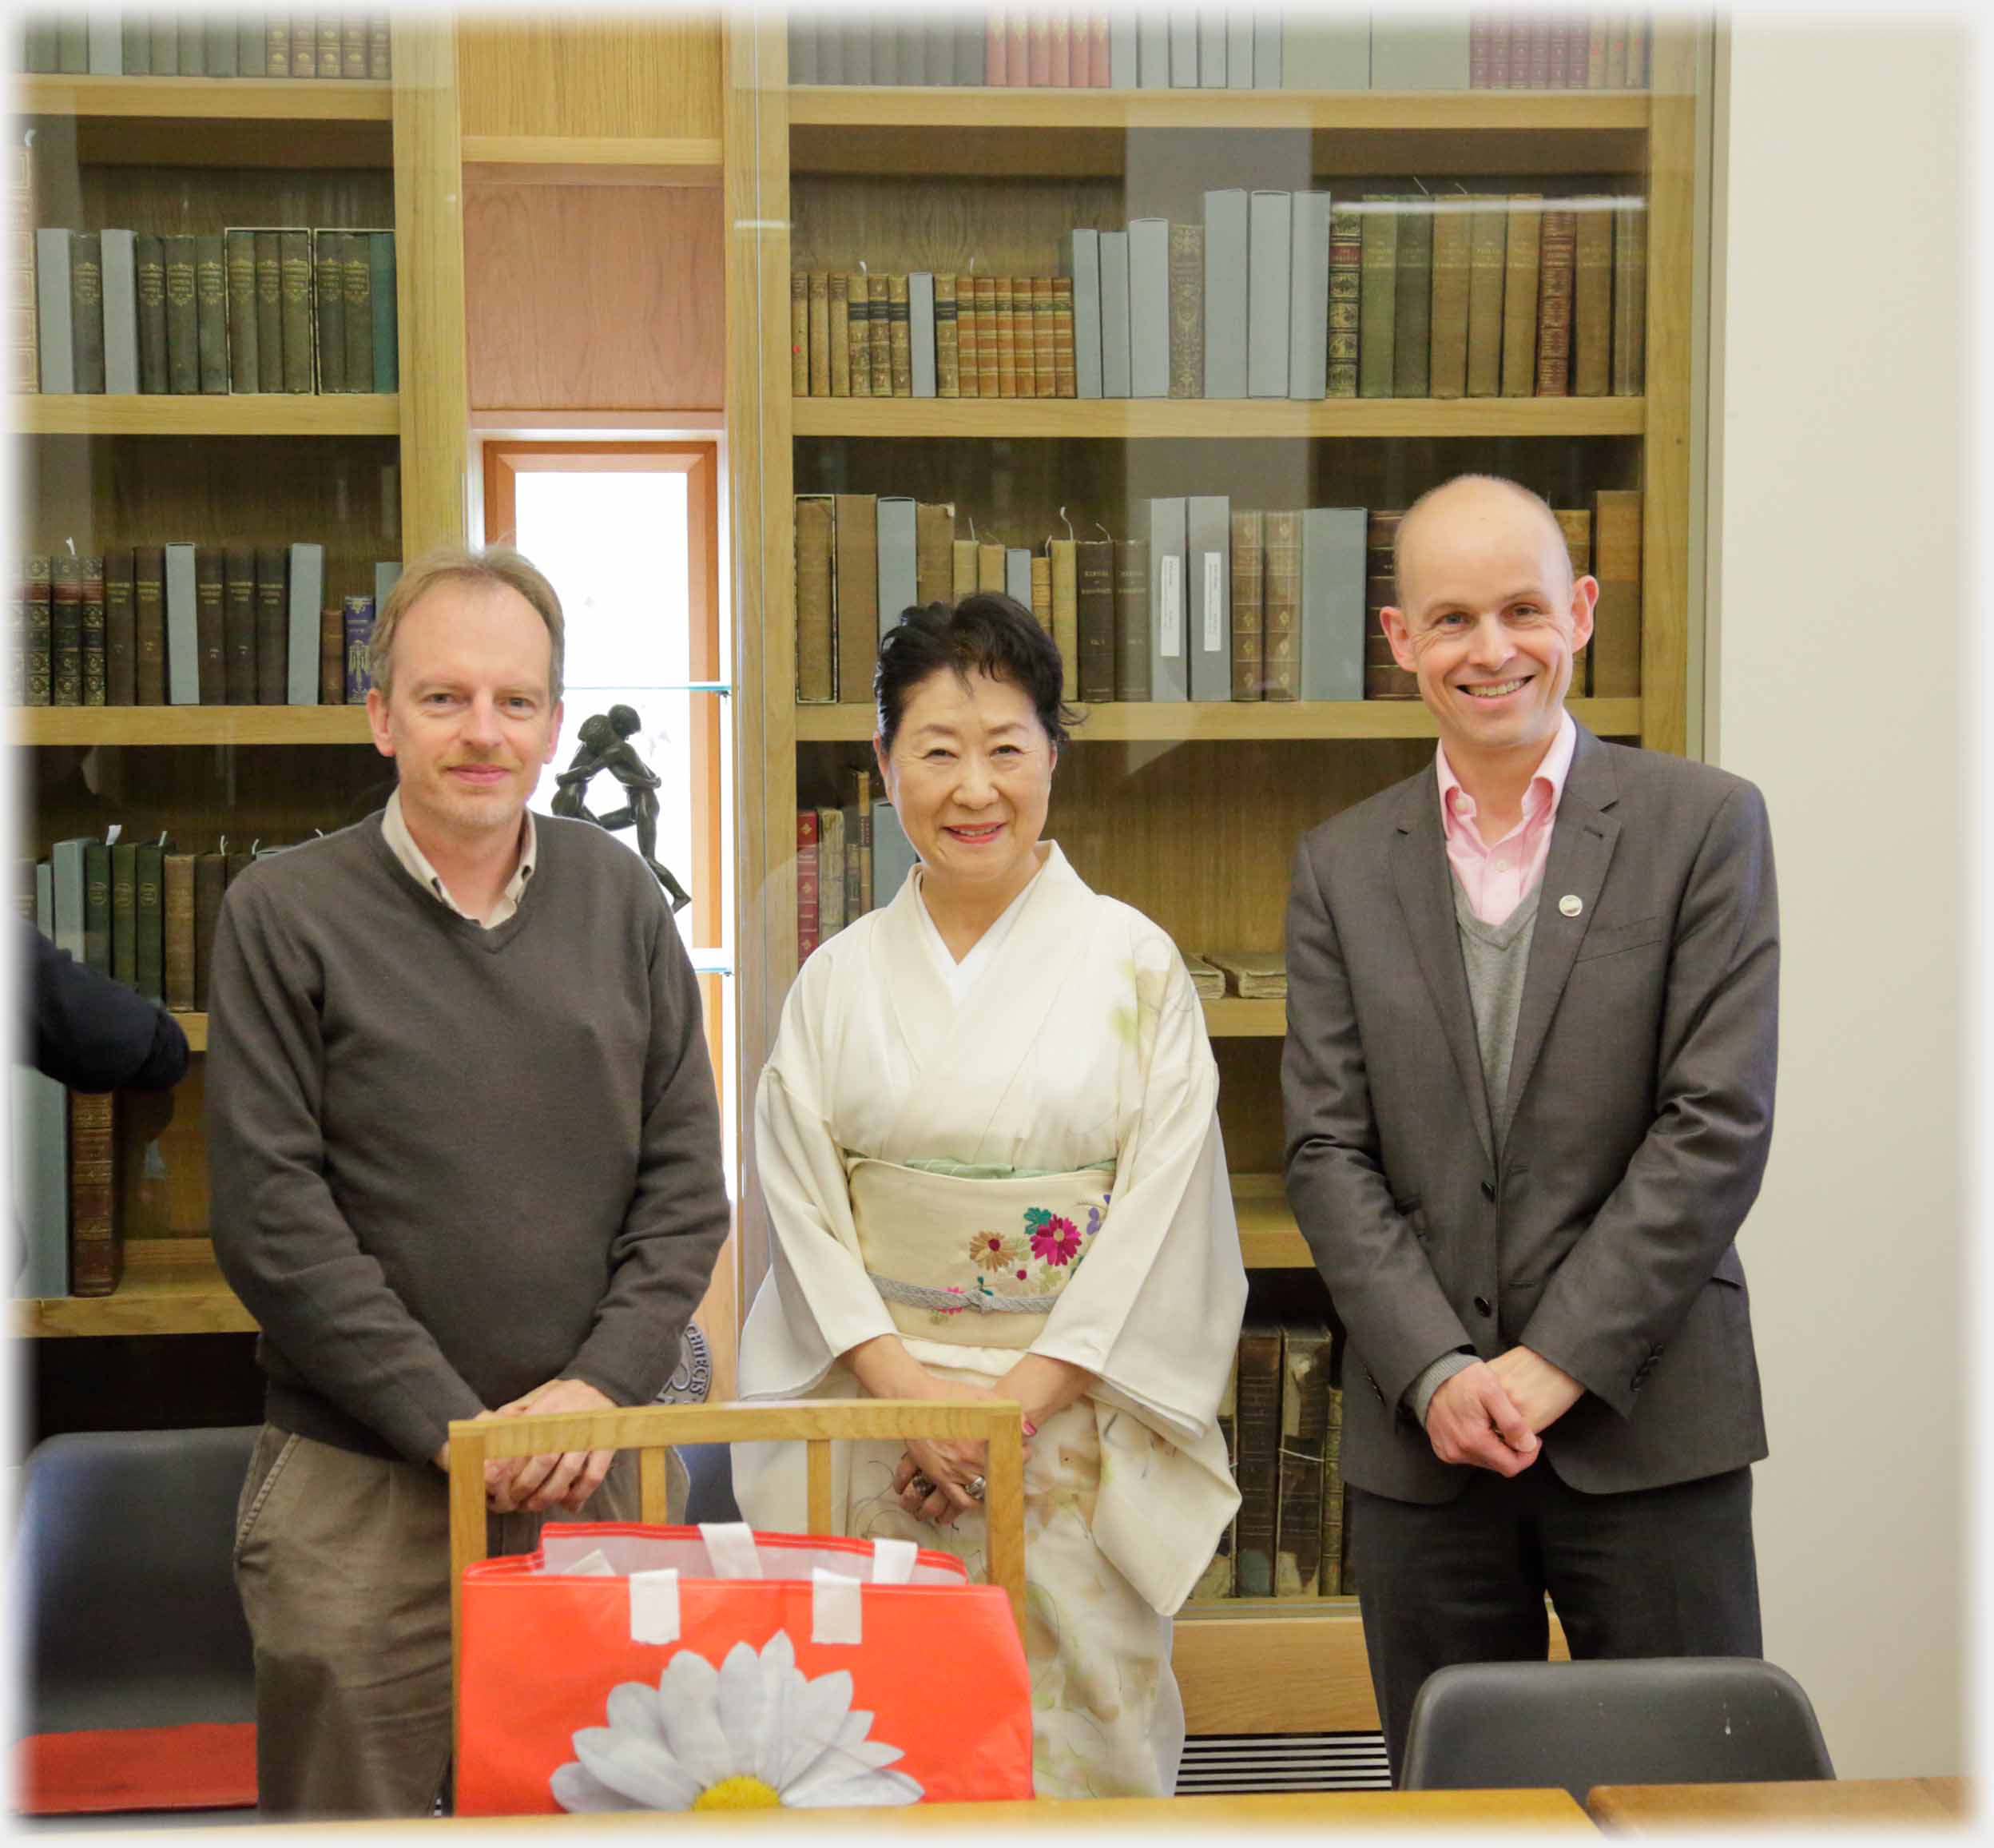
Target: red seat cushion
(147, 1768)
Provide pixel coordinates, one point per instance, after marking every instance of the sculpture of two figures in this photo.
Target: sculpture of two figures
(605, 746)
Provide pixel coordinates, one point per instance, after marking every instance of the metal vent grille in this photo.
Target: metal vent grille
(1250, 1761)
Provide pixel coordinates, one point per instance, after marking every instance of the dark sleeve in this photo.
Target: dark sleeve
(661, 1258)
(93, 1034)
(1624, 1288)
(1381, 1280)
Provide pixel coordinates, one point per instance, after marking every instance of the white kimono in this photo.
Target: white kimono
(1066, 1091)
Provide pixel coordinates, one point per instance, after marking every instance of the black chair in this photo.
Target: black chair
(1689, 1720)
(124, 1590)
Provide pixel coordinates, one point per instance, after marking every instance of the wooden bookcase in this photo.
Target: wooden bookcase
(1189, 812)
(374, 476)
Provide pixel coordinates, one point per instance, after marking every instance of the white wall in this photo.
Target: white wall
(1844, 639)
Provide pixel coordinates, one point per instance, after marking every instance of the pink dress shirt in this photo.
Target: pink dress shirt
(1497, 876)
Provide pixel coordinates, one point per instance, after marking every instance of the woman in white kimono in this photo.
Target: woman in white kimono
(988, 1140)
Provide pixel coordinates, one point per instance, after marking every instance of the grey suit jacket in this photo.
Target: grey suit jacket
(1641, 1095)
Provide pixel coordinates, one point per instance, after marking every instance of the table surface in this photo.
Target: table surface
(1542, 1812)
(1638, 1809)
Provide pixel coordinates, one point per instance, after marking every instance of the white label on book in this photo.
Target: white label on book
(1214, 601)
(1170, 590)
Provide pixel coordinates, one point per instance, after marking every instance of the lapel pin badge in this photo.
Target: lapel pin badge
(1572, 904)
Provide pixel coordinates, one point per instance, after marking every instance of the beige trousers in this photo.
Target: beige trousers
(344, 1565)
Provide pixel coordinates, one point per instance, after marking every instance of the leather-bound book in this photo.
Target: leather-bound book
(352, 46)
(949, 371)
(1630, 300)
(269, 311)
(799, 333)
(1065, 570)
(808, 925)
(989, 383)
(86, 308)
(1554, 279)
(1346, 272)
(880, 323)
(838, 332)
(149, 606)
(97, 906)
(815, 532)
(1378, 284)
(1059, 49)
(210, 625)
(989, 567)
(386, 325)
(1248, 612)
(96, 669)
(356, 265)
(1259, 1414)
(179, 964)
(239, 626)
(124, 913)
(294, 259)
(149, 268)
(901, 337)
(934, 552)
(1412, 302)
(183, 318)
(273, 626)
(242, 312)
(1132, 619)
(251, 56)
(304, 45)
(276, 44)
(854, 594)
(1045, 339)
(38, 646)
(1095, 560)
(121, 631)
(1065, 369)
(150, 871)
(1520, 294)
(1304, 1413)
(1329, 1582)
(1448, 375)
(858, 336)
(1281, 597)
(328, 275)
(97, 1253)
(330, 61)
(66, 630)
(1592, 302)
(211, 879)
(1001, 298)
(332, 657)
(820, 335)
(211, 314)
(1187, 311)
(1615, 648)
(1488, 243)
(962, 581)
(379, 48)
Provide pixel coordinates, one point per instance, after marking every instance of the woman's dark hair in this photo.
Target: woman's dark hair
(988, 633)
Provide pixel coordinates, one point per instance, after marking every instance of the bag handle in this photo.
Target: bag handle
(837, 1604)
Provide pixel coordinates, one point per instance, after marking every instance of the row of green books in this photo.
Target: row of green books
(116, 42)
(281, 309)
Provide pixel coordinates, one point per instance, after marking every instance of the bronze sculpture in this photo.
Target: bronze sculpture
(605, 746)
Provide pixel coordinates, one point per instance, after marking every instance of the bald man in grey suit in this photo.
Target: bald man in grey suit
(1533, 1028)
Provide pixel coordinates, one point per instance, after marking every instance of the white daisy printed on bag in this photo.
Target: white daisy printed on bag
(755, 1734)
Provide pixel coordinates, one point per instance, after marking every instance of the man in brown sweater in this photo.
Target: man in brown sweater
(465, 1155)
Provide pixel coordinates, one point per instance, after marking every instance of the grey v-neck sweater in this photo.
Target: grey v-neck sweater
(449, 1164)
(1497, 957)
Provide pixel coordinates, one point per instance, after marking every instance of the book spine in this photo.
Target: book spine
(184, 670)
(380, 61)
(962, 571)
(65, 577)
(149, 604)
(210, 627)
(95, 664)
(294, 259)
(1630, 300)
(24, 363)
(352, 46)
(814, 655)
(124, 913)
(1554, 304)
(1346, 297)
(121, 633)
(1065, 564)
(799, 334)
(96, 1256)
(1132, 619)
(838, 332)
(1208, 572)
(211, 314)
(328, 273)
(1309, 297)
(1270, 254)
(1007, 338)
(1412, 303)
(934, 552)
(330, 62)
(1024, 337)
(855, 593)
(1519, 294)
(901, 346)
(990, 567)
(1065, 369)
(238, 625)
(920, 333)
(989, 354)
(55, 338)
(1487, 251)
(356, 618)
(1615, 648)
(969, 352)
(807, 926)
(1094, 571)
(121, 311)
(1045, 338)
(135, 46)
(151, 952)
(1592, 302)
(1448, 375)
(332, 657)
(1187, 311)
(1378, 288)
(1330, 1580)
(86, 309)
(1038, 48)
(948, 367)
(277, 45)
(1248, 614)
(251, 56)
(1083, 268)
(271, 602)
(210, 877)
(996, 49)
(1259, 1413)
(242, 310)
(1227, 252)
(1333, 541)
(148, 263)
(1280, 595)
(38, 647)
(269, 312)
(388, 365)
(1304, 1413)
(182, 317)
(357, 274)
(179, 966)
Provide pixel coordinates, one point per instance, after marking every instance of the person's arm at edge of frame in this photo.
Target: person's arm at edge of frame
(91, 1033)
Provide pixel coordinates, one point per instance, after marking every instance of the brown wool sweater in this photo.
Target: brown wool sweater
(449, 1164)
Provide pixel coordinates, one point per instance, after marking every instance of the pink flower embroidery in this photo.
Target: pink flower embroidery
(1053, 1240)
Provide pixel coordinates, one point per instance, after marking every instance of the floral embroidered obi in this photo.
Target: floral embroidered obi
(978, 1261)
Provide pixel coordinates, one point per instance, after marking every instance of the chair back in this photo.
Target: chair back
(124, 1581)
(1691, 1719)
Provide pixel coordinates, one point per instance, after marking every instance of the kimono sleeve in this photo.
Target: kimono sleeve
(1154, 1310)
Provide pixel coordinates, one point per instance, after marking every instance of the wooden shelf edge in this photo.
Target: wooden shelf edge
(135, 725)
(170, 1286)
(276, 100)
(1185, 721)
(183, 414)
(1280, 1670)
(1218, 419)
(1038, 110)
(697, 153)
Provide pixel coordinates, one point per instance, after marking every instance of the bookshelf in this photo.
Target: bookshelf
(370, 475)
(1189, 811)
